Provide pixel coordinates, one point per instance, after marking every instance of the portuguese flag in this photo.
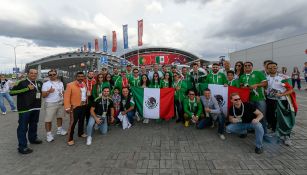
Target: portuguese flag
(154, 103)
(142, 61)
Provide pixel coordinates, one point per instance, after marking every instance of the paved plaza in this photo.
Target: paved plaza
(155, 148)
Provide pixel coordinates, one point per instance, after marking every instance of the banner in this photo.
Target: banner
(85, 48)
(125, 35)
(89, 45)
(96, 45)
(114, 43)
(105, 44)
(140, 32)
(104, 60)
(81, 49)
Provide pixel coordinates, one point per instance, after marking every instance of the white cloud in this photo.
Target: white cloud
(154, 7)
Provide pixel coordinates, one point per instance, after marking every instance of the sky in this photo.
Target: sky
(206, 28)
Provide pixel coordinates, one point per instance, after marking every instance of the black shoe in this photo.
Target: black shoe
(258, 150)
(242, 136)
(37, 141)
(25, 151)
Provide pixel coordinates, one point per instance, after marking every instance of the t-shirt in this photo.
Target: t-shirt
(126, 103)
(103, 105)
(135, 81)
(218, 78)
(55, 96)
(275, 86)
(255, 77)
(5, 86)
(248, 112)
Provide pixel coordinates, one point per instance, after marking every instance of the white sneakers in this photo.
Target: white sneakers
(222, 137)
(61, 131)
(89, 140)
(146, 120)
(287, 141)
(3, 113)
(137, 115)
(50, 137)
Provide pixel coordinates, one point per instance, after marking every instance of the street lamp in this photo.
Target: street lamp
(14, 47)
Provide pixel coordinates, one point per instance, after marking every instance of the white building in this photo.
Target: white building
(287, 52)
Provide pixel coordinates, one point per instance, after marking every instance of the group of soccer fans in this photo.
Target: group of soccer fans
(95, 99)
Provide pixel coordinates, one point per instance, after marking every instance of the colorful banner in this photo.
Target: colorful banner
(114, 41)
(158, 57)
(140, 32)
(125, 35)
(89, 45)
(105, 44)
(96, 45)
(85, 48)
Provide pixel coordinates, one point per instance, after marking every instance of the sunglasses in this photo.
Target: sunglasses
(248, 65)
(136, 72)
(52, 75)
(191, 94)
(237, 99)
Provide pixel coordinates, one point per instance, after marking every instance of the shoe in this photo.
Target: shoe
(89, 140)
(84, 135)
(37, 141)
(50, 138)
(258, 150)
(242, 136)
(212, 126)
(287, 141)
(71, 143)
(61, 132)
(3, 113)
(186, 123)
(25, 151)
(222, 137)
(14, 110)
(138, 118)
(146, 120)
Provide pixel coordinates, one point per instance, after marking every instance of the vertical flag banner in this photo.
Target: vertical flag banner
(96, 45)
(85, 48)
(105, 44)
(140, 32)
(89, 45)
(114, 41)
(81, 48)
(104, 60)
(154, 103)
(125, 35)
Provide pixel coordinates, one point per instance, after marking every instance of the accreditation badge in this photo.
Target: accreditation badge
(38, 95)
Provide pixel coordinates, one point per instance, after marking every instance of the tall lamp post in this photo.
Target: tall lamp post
(14, 47)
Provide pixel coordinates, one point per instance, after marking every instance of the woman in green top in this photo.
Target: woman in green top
(98, 87)
(167, 81)
(155, 83)
(180, 91)
(108, 82)
(230, 79)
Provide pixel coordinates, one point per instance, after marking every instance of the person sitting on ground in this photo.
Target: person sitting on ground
(212, 113)
(192, 109)
(127, 105)
(244, 116)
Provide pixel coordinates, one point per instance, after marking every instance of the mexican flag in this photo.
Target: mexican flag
(159, 59)
(222, 94)
(154, 103)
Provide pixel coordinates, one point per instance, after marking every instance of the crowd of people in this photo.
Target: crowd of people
(95, 100)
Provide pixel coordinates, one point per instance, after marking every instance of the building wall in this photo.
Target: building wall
(288, 53)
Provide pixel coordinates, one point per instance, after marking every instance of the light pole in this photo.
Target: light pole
(14, 47)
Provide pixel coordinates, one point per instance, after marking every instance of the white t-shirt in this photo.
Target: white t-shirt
(57, 95)
(275, 86)
(5, 86)
(83, 94)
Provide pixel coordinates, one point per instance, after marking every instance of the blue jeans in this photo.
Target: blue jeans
(130, 116)
(241, 128)
(261, 106)
(9, 99)
(103, 127)
(27, 123)
(205, 122)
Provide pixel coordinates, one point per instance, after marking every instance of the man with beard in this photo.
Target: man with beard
(197, 77)
(216, 77)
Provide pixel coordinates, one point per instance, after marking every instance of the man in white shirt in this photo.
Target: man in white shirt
(4, 93)
(155, 69)
(52, 91)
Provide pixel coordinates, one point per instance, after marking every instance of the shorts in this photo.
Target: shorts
(54, 109)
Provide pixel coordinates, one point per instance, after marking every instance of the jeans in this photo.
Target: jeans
(179, 109)
(103, 127)
(130, 116)
(298, 81)
(241, 128)
(261, 106)
(207, 121)
(27, 122)
(7, 96)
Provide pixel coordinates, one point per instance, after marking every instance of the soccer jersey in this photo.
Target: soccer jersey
(180, 90)
(216, 78)
(234, 82)
(255, 77)
(135, 81)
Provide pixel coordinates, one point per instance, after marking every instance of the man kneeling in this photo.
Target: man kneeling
(244, 116)
(101, 109)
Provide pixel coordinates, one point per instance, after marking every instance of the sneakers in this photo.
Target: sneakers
(3, 113)
(25, 151)
(14, 110)
(222, 137)
(186, 123)
(36, 141)
(61, 131)
(212, 126)
(83, 136)
(138, 118)
(89, 140)
(258, 150)
(146, 120)
(50, 137)
(287, 141)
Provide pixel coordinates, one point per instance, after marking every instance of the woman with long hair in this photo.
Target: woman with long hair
(296, 78)
(144, 81)
(239, 69)
(155, 83)
(166, 81)
(98, 87)
(108, 82)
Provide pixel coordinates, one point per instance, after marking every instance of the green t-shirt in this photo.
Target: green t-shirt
(255, 77)
(187, 80)
(192, 107)
(154, 85)
(218, 78)
(234, 82)
(164, 84)
(180, 93)
(115, 77)
(135, 82)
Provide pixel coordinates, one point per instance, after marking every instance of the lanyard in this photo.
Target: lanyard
(135, 81)
(217, 78)
(102, 100)
(35, 85)
(190, 104)
(176, 84)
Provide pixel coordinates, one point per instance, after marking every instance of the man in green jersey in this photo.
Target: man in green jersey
(216, 77)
